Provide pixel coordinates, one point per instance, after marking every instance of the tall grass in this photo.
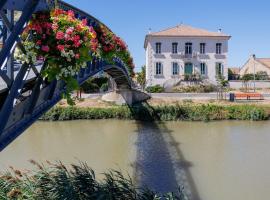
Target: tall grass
(189, 111)
(78, 182)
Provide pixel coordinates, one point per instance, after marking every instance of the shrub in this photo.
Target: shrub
(186, 111)
(155, 89)
(201, 88)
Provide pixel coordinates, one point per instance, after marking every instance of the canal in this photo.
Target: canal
(223, 160)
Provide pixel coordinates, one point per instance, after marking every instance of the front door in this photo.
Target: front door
(188, 68)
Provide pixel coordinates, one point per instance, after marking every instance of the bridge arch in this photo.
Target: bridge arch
(24, 94)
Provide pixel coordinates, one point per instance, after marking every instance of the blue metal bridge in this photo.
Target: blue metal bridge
(24, 94)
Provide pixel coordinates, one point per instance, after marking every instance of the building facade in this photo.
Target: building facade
(176, 53)
(255, 65)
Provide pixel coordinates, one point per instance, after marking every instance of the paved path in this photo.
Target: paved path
(198, 96)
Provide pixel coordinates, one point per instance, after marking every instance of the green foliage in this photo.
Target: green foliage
(246, 112)
(93, 85)
(155, 89)
(186, 111)
(261, 75)
(141, 77)
(222, 82)
(78, 182)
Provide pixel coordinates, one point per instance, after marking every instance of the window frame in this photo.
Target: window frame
(158, 48)
(175, 64)
(219, 69)
(188, 48)
(174, 48)
(204, 67)
(218, 48)
(158, 72)
(202, 48)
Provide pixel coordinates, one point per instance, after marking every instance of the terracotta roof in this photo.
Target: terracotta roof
(264, 61)
(187, 31)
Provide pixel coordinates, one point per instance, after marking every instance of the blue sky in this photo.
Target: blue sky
(248, 22)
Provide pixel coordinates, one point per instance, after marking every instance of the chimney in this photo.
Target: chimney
(149, 31)
(254, 56)
(219, 30)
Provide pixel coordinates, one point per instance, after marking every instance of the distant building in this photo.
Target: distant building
(256, 65)
(233, 73)
(183, 50)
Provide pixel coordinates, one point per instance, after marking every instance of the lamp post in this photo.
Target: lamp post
(254, 77)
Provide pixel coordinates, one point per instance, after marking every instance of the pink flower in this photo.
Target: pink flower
(55, 27)
(70, 13)
(60, 35)
(45, 48)
(61, 47)
(77, 44)
(76, 38)
(77, 56)
(69, 31)
(84, 22)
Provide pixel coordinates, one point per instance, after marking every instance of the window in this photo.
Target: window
(174, 48)
(202, 48)
(175, 68)
(188, 70)
(218, 48)
(158, 48)
(188, 48)
(219, 69)
(159, 70)
(203, 69)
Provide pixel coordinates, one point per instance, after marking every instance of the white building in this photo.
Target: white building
(182, 51)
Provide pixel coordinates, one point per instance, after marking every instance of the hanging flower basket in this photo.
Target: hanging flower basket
(66, 44)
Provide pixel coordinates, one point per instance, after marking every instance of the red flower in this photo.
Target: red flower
(61, 47)
(39, 42)
(45, 48)
(60, 35)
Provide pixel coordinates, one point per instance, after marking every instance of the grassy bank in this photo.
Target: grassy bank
(78, 182)
(188, 112)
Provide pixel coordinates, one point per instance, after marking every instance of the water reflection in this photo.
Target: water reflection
(160, 164)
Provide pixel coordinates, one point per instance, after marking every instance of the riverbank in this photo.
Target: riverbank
(186, 111)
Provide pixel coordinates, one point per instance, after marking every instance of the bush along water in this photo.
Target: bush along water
(78, 182)
(188, 112)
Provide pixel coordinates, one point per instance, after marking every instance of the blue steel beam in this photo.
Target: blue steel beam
(14, 92)
(13, 37)
(2, 4)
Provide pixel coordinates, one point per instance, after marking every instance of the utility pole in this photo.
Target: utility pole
(254, 76)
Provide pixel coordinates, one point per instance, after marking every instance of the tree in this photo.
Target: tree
(141, 77)
(222, 85)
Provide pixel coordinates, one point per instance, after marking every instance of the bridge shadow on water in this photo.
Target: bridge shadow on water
(160, 164)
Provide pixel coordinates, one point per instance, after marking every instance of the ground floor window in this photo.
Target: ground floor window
(219, 69)
(159, 70)
(175, 68)
(203, 69)
(188, 68)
